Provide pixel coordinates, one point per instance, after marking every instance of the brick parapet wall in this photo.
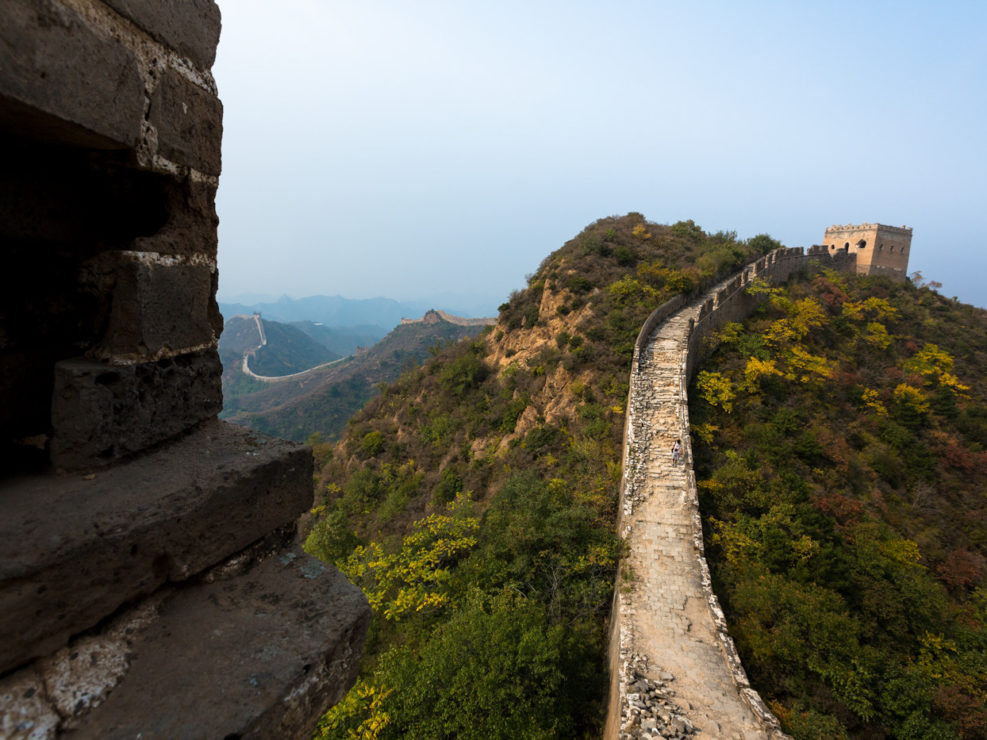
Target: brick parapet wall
(124, 89)
(150, 582)
(635, 669)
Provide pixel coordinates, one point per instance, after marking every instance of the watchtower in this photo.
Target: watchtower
(880, 249)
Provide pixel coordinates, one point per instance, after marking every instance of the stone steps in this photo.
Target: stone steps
(162, 597)
(667, 628)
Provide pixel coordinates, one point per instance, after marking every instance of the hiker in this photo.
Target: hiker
(676, 451)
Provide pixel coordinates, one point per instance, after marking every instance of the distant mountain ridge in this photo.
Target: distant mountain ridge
(337, 311)
(317, 397)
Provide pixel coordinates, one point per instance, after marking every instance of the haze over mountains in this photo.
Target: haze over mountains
(336, 311)
(322, 400)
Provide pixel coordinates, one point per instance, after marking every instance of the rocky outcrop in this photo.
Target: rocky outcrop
(433, 316)
(149, 581)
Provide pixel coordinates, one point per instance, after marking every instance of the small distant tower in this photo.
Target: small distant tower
(880, 249)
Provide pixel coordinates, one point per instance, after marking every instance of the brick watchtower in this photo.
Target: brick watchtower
(880, 249)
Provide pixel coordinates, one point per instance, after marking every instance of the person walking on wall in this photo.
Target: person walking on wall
(676, 451)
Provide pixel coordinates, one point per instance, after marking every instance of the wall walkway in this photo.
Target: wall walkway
(674, 669)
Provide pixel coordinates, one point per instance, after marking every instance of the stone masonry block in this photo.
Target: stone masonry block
(51, 60)
(157, 305)
(191, 224)
(190, 27)
(102, 413)
(74, 549)
(189, 122)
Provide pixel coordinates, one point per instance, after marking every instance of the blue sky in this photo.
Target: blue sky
(381, 147)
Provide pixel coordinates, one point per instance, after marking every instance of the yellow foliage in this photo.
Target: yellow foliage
(911, 397)
(755, 370)
(803, 316)
(803, 366)
(716, 389)
(872, 401)
(730, 332)
(705, 432)
(807, 314)
(901, 551)
(641, 232)
(877, 335)
(934, 658)
(877, 308)
(628, 287)
(364, 699)
(759, 286)
(935, 365)
(739, 548)
(412, 579)
(781, 331)
(805, 547)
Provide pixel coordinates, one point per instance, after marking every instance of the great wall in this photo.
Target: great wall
(159, 589)
(262, 342)
(431, 317)
(674, 669)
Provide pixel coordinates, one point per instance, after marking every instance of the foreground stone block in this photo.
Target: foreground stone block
(191, 226)
(157, 304)
(54, 62)
(101, 413)
(191, 27)
(257, 648)
(189, 121)
(72, 550)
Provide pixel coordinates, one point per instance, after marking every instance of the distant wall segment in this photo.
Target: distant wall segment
(674, 667)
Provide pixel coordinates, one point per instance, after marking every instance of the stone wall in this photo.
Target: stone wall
(149, 580)
(674, 668)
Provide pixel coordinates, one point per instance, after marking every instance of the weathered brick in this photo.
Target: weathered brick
(51, 60)
(191, 27)
(156, 306)
(101, 412)
(189, 122)
(73, 549)
(191, 224)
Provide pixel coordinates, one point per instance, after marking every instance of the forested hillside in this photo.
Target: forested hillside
(840, 439)
(474, 500)
(320, 403)
(288, 349)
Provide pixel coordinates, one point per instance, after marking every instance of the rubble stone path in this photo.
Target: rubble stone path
(669, 640)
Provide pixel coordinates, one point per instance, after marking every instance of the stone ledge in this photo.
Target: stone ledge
(252, 650)
(74, 549)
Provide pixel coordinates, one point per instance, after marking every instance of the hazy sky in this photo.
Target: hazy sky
(406, 149)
